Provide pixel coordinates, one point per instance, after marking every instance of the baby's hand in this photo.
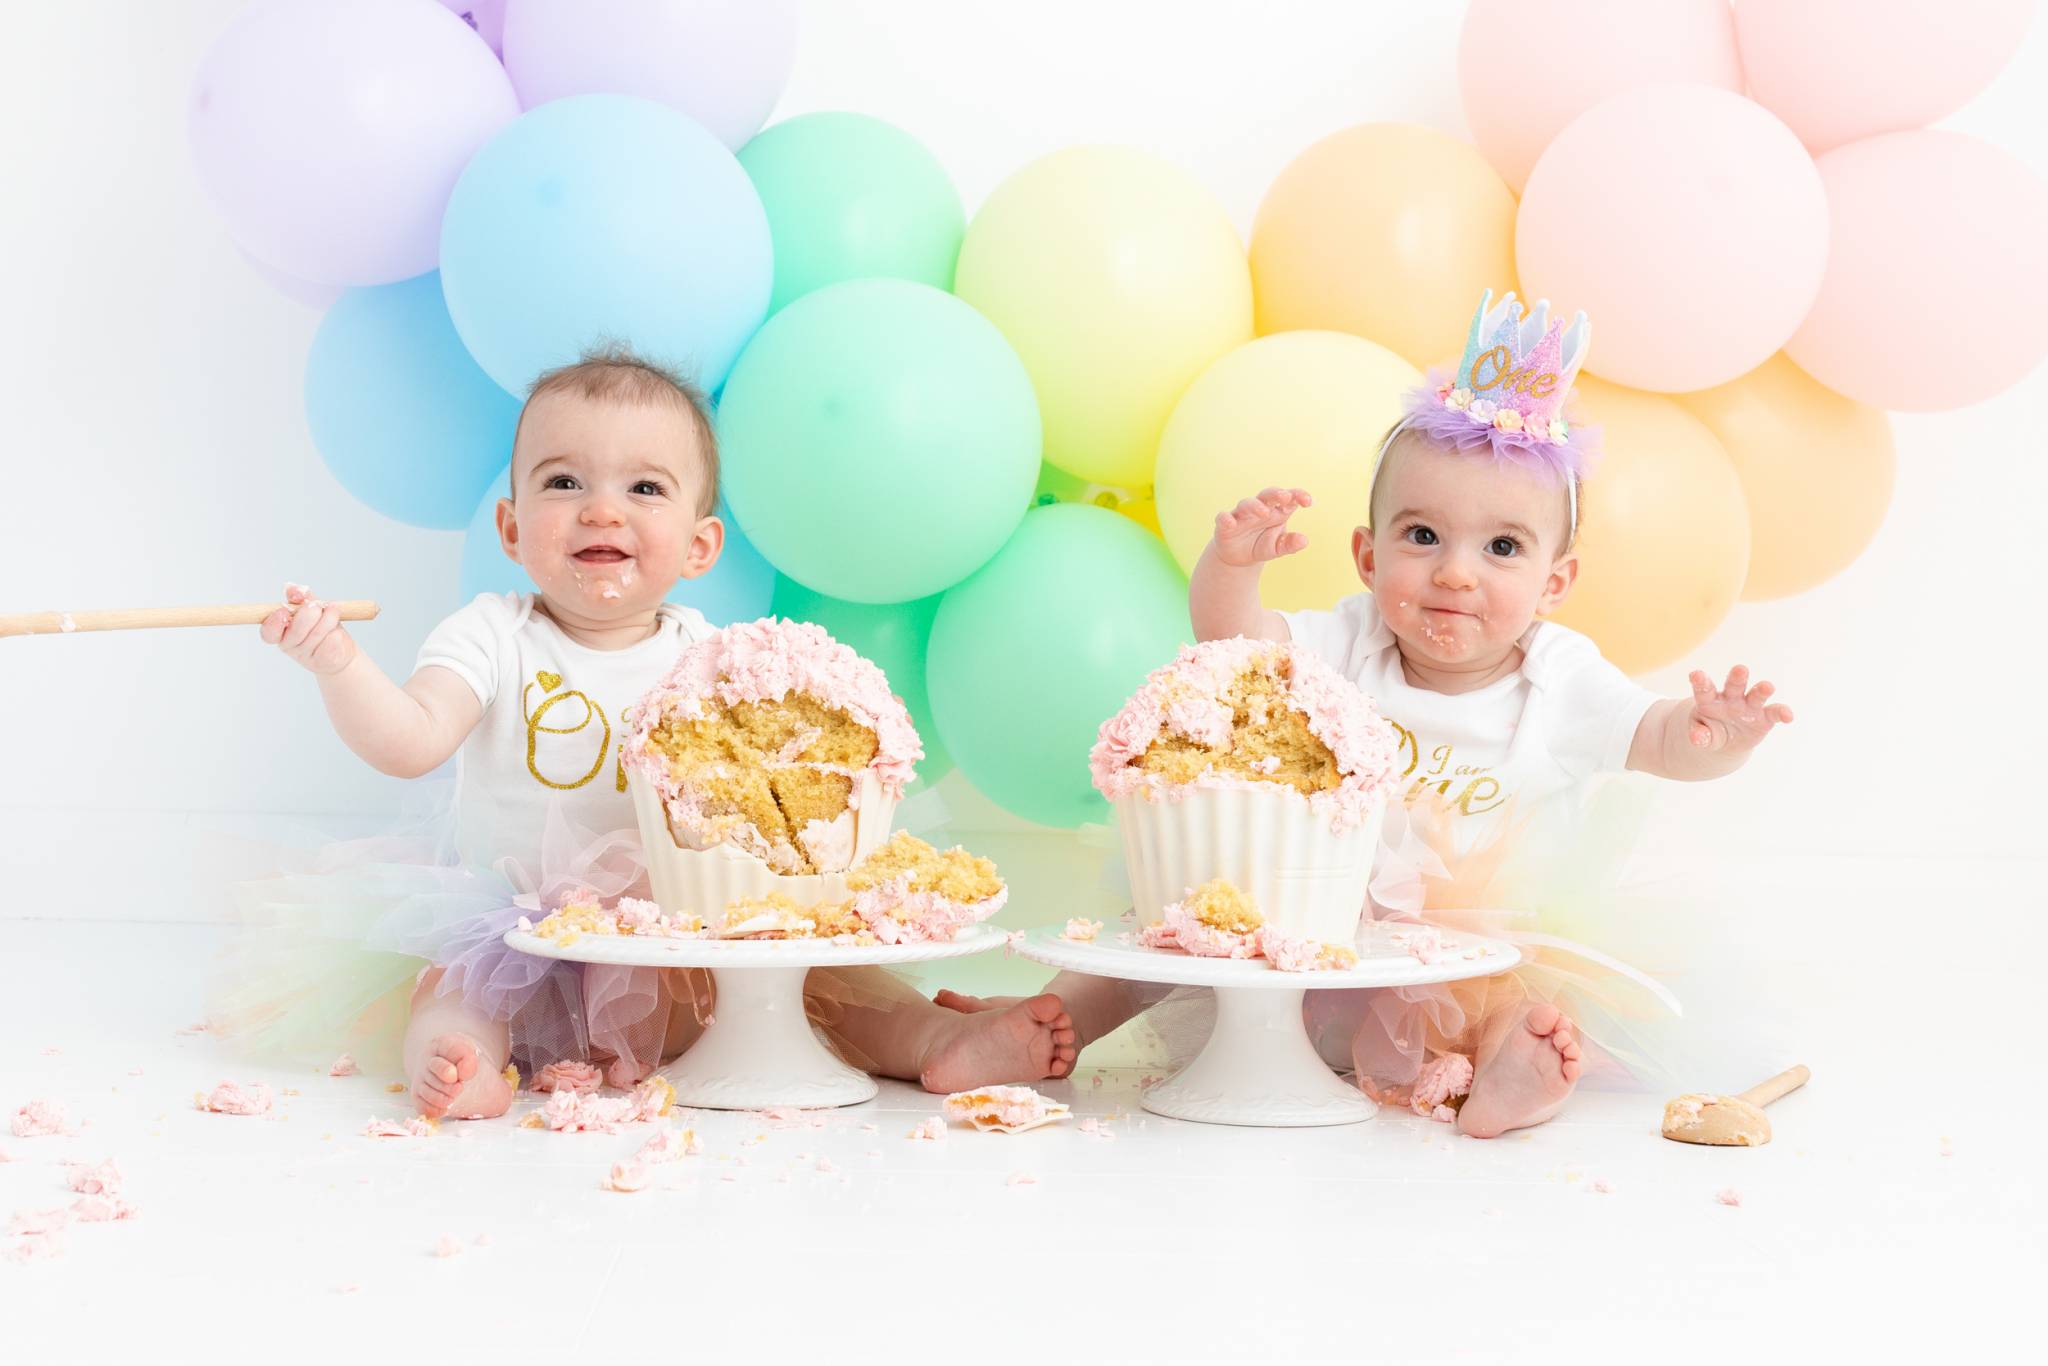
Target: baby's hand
(309, 631)
(1256, 529)
(1733, 719)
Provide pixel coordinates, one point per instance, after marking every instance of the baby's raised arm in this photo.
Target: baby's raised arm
(1223, 592)
(403, 732)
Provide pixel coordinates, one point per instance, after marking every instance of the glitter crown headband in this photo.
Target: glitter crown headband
(1509, 393)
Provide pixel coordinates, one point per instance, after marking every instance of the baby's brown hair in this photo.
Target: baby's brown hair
(613, 372)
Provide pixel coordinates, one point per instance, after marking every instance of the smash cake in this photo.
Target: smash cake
(1254, 764)
(764, 770)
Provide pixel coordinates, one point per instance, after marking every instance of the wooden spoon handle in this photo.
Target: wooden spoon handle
(1791, 1079)
(147, 618)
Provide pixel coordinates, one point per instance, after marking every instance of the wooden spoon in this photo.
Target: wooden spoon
(1730, 1121)
(147, 618)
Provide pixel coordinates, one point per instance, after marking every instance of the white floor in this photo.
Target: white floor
(1900, 1206)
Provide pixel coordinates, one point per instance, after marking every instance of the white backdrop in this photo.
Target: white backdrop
(155, 450)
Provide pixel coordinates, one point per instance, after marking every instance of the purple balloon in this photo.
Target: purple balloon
(722, 62)
(311, 293)
(487, 17)
(329, 136)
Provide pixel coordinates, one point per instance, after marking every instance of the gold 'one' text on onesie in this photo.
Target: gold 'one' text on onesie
(1469, 789)
(584, 709)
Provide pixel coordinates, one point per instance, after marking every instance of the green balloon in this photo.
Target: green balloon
(1043, 644)
(879, 440)
(1055, 485)
(849, 197)
(893, 635)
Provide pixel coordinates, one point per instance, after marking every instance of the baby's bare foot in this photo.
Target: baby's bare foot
(454, 1081)
(1523, 1074)
(994, 1045)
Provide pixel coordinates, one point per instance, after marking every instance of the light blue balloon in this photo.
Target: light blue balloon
(738, 588)
(605, 218)
(398, 410)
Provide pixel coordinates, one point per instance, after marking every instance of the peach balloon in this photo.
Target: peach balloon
(1816, 471)
(1664, 540)
(1935, 286)
(1387, 231)
(1296, 409)
(1838, 70)
(1688, 223)
(1526, 68)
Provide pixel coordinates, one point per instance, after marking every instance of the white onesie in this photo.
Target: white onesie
(553, 720)
(1563, 716)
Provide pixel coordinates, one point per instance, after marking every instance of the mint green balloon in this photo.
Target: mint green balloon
(893, 635)
(849, 196)
(1044, 643)
(879, 440)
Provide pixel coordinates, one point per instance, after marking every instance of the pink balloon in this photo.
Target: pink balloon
(1526, 68)
(1689, 224)
(722, 62)
(329, 136)
(1935, 284)
(1837, 70)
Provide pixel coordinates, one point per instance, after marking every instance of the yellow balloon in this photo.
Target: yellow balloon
(1143, 511)
(1117, 278)
(1299, 410)
(1664, 530)
(1387, 231)
(1816, 467)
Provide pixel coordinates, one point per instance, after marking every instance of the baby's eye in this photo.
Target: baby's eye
(1420, 535)
(560, 481)
(1504, 546)
(647, 488)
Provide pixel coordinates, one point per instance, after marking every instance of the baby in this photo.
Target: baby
(1473, 521)
(614, 479)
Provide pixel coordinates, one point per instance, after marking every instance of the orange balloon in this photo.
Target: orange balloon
(1664, 530)
(1389, 232)
(1817, 469)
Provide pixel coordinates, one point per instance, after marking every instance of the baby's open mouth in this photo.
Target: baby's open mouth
(601, 554)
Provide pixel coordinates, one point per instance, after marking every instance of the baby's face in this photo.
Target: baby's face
(604, 508)
(1463, 555)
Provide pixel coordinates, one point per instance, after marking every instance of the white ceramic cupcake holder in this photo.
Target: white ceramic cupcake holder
(759, 1048)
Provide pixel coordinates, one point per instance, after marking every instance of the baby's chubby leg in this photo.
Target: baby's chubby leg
(904, 1035)
(455, 1055)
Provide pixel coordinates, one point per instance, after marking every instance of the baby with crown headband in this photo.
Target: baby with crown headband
(1473, 520)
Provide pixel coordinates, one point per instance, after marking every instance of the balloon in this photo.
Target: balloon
(1526, 68)
(1048, 639)
(1935, 282)
(1838, 70)
(1664, 531)
(1296, 409)
(1816, 470)
(1388, 231)
(1118, 278)
(723, 64)
(399, 411)
(1688, 223)
(487, 17)
(1055, 485)
(329, 136)
(605, 217)
(880, 440)
(850, 196)
(739, 587)
(894, 636)
(311, 293)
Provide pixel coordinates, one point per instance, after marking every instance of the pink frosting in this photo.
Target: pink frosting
(343, 1066)
(568, 1075)
(930, 1128)
(39, 1119)
(414, 1126)
(627, 1177)
(101, 1209)
(897, 915)
(230, 1099)
(669, 1145)
(766, 661)
(1182, 699)
(1190, 935)
(86, 1179)
(1005, 1105)
(1291, 953)
(1157, 935)
(1442, 1079)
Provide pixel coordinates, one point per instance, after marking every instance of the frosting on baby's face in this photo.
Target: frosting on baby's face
(603, 514)
(1465, 552)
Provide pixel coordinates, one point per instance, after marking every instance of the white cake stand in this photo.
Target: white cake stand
(1258, 1067)
(757, 1049)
